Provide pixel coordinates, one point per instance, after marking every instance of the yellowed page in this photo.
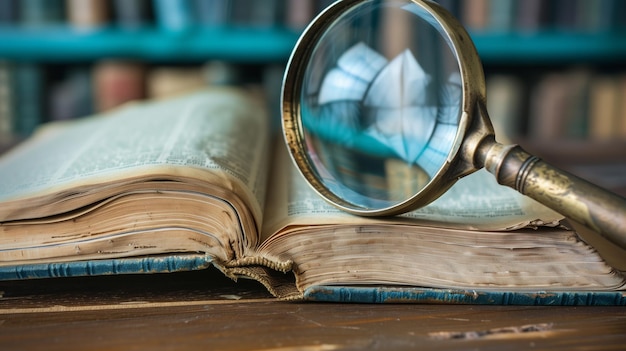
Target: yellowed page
(445, 244)
(219, 130)
(475, 202)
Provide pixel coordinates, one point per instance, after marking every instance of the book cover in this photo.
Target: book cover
(140, 265)
(321, 293)
(362, 294)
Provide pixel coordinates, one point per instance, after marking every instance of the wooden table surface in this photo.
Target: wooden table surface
(205, 311)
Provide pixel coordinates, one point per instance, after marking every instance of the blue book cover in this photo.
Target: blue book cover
(334, 294)
(381, 294)
(133, 265)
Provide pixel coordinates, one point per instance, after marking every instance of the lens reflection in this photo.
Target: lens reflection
(380, 103)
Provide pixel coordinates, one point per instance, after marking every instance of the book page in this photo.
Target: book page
(222, 130)
(474, 202)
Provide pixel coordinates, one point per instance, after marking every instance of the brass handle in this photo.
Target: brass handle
(598, 209)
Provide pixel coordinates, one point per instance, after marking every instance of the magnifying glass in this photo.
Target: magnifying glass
(384, 109)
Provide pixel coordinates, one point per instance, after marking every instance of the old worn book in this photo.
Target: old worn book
(198, 180)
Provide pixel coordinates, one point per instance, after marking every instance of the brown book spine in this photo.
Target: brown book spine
(88, 14)
(117, 82)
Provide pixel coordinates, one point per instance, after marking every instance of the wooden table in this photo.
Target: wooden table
(204, 310)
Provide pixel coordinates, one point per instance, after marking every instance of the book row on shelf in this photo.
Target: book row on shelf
(539, 15)
(182, 15)
(574, 103)
(32, 94)
(169, 15)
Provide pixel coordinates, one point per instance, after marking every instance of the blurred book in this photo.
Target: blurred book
(298, 13)
(131, 14)
(117, 82)
(88, 14)
(532, 15)
(173, 16)
(212, 13)
(166, 81)
(505, 100)
(6, 101)
(501, 17)
(604, 103)
(39, 13)
(475, 14)
(28, 97)
(8, 12)
(72, 97)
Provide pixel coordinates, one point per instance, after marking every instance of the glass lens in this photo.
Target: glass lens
(380, 103)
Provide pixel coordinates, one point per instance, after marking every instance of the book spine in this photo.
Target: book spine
(117, 82)
(500, 15)
(8, 12)
(37, 13)
(262, 14)
(475, 14)
(131, 14)
(173, 16)
(212, 13)
(621, 115)
(531, 15)
(170, 264)
(72, 97)
(170, 81)
(603, 107)
(240, 14)
(505, 101)
(6, 102)
(28, 85)
(465, 297)
(298, 13)
(87, 14)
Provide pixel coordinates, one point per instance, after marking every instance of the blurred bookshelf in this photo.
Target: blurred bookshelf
(258, 45)
(66, 45)
(550, 47)
(552, 66)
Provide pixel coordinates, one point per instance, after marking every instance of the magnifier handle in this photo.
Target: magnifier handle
(598, 209)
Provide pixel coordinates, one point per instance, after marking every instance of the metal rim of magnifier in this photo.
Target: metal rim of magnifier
(473, 85)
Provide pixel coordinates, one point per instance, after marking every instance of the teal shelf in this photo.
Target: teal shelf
(275, 44)
(550, 47)
(67, 45)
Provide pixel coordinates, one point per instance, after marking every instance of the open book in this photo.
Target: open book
(198, 180)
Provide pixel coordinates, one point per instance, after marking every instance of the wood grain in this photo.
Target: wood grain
(203, 310)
